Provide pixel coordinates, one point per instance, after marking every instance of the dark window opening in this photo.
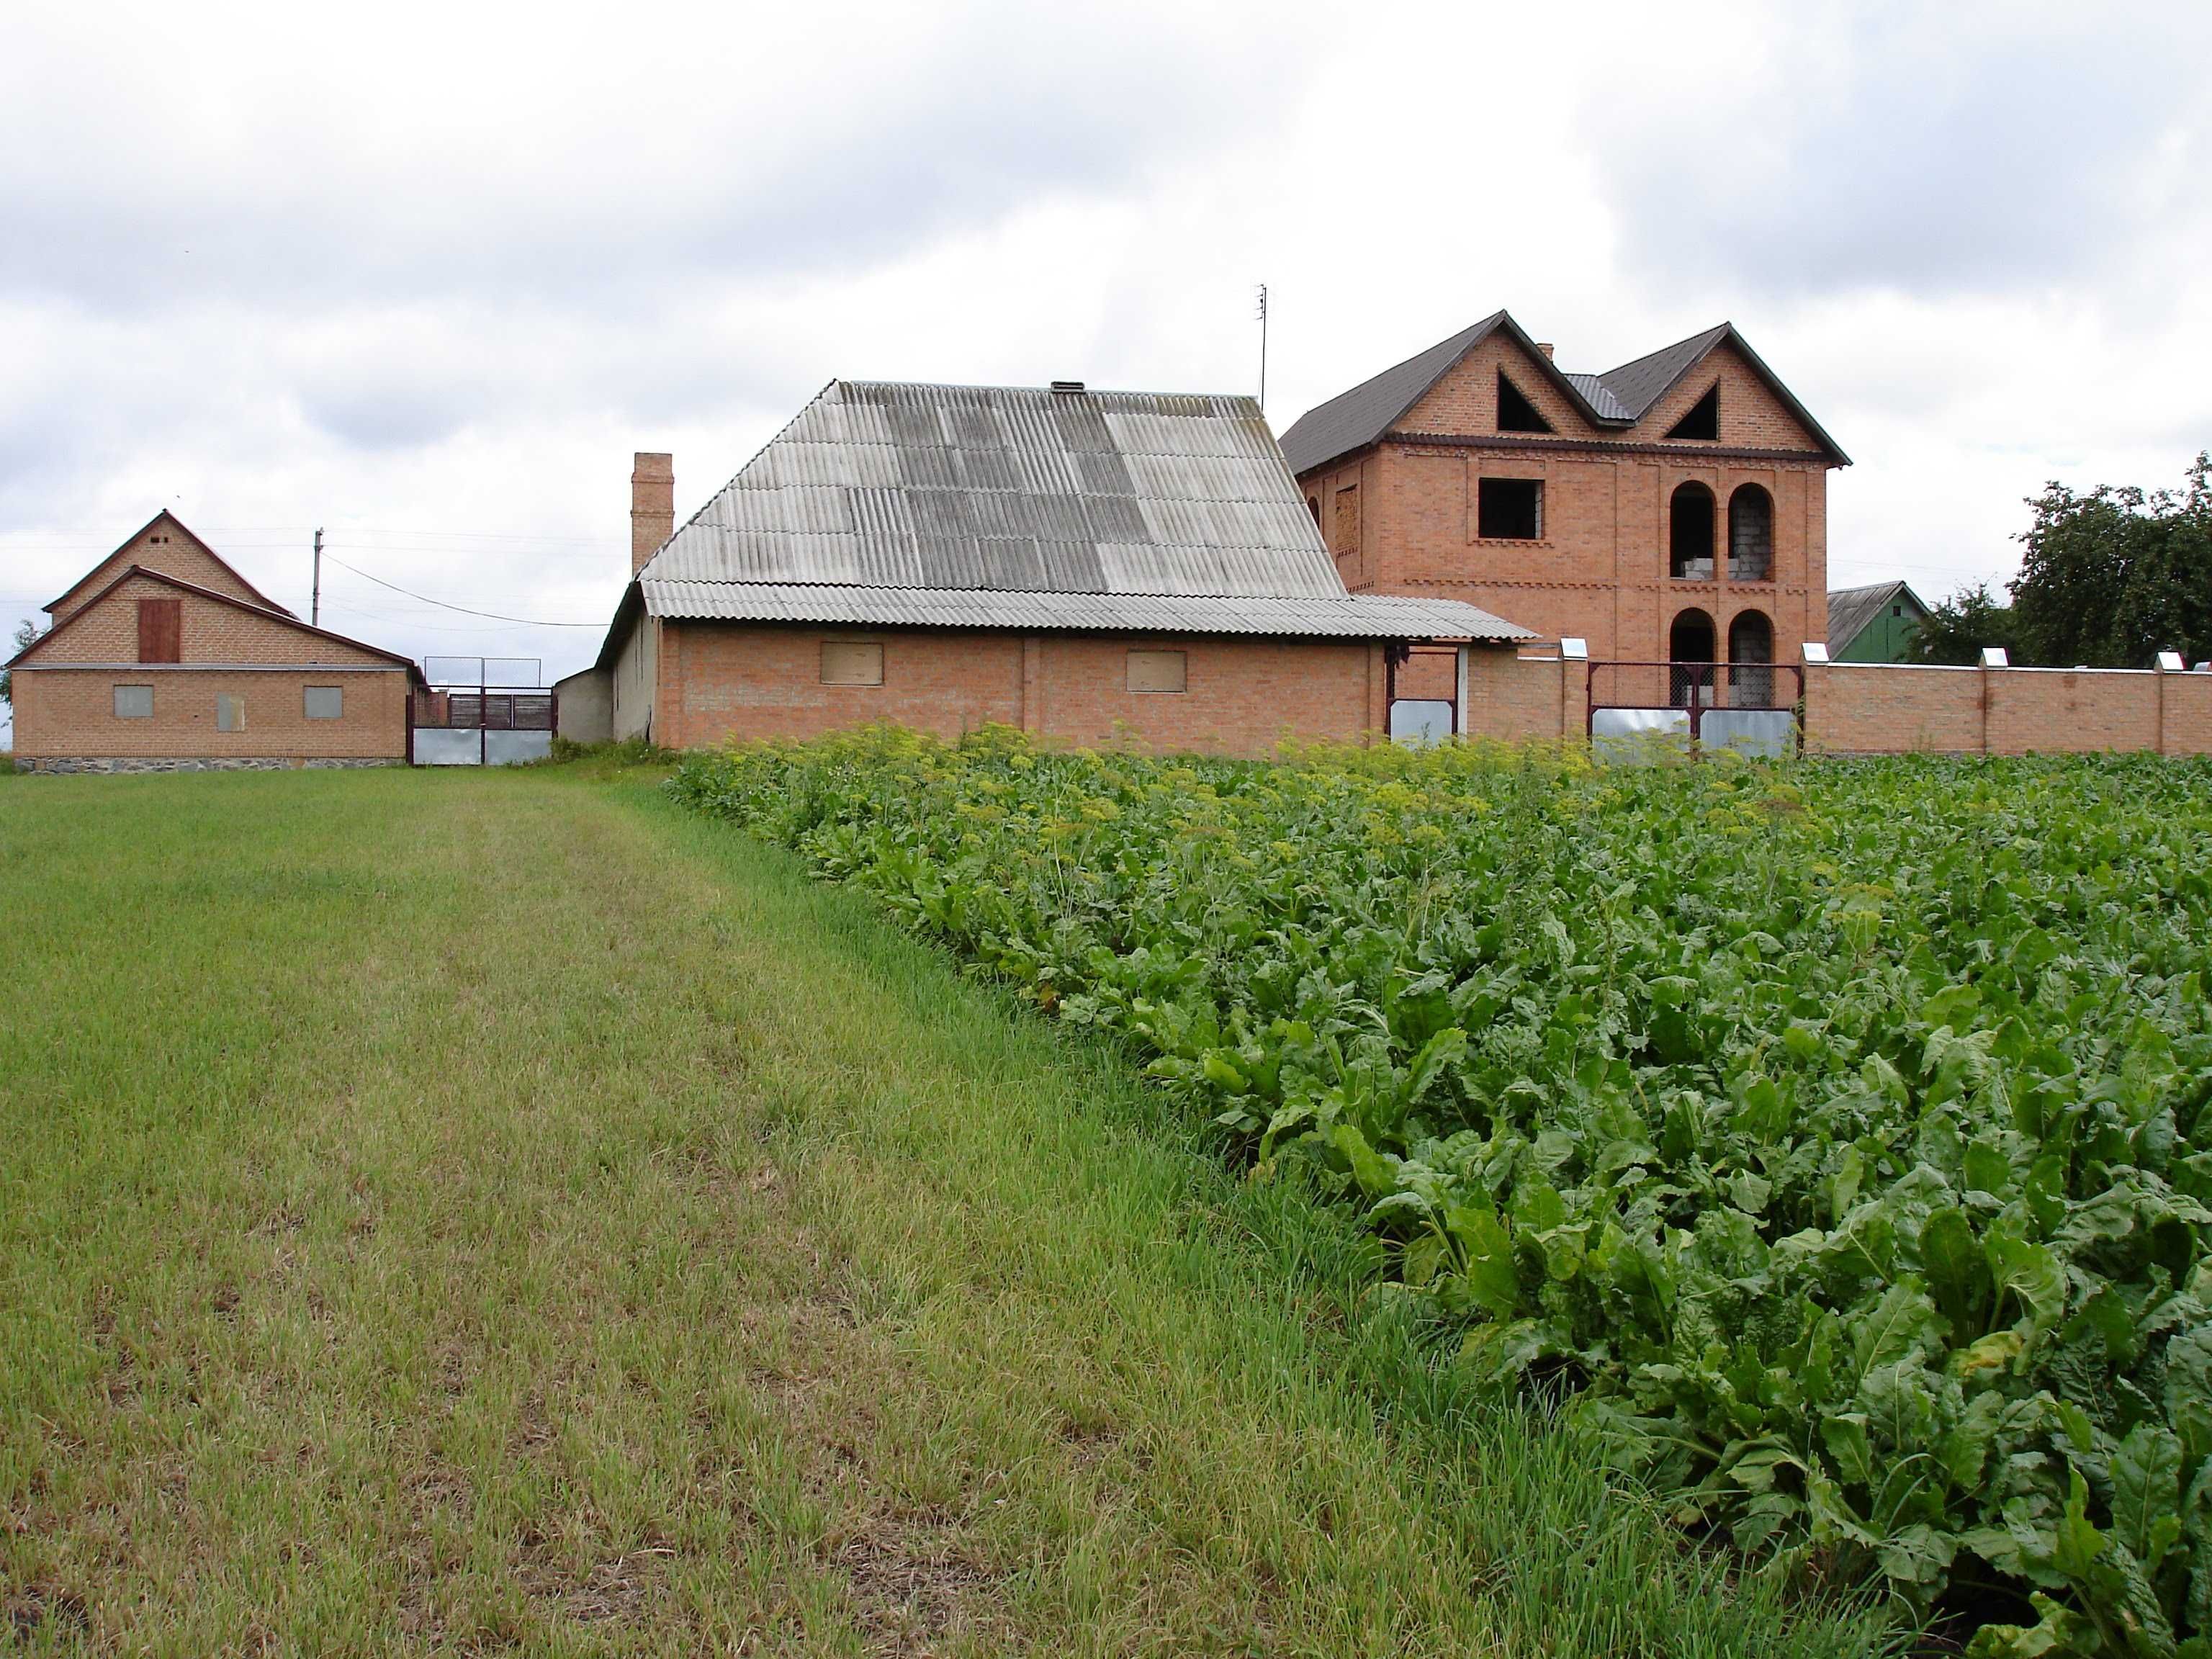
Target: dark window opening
(1897, 610)
(1690, 642)
(1703, 419)
(1510, 509)
(1313, 506)
(1515, 412)
(1750, 648)
(1690, 534)
(1750, 535)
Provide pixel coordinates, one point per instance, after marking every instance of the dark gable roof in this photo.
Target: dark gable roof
(1637, 385)
(176, 522)
(1850, 608)
(1618, 397)
(270, 612)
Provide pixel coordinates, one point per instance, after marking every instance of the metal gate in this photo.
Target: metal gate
(1637, 709)
(477, 712)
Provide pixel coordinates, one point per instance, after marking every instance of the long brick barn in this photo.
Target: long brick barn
(1092, 567)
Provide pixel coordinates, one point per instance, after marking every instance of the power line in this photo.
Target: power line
(526, 621)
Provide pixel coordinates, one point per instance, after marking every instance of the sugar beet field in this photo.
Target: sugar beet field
(1822, 1147)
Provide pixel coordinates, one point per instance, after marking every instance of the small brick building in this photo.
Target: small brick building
(1672, 509)
(1096, 568)
(163, 658)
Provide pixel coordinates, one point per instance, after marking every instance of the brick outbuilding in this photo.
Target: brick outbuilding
(1094, 567)
(163, 658)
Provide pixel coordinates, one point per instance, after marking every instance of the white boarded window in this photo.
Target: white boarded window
(1156, 671)
(229, 712)
(134, 702)
(325, 702)
(851, 662)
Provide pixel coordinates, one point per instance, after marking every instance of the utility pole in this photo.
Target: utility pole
(315, 603)
(1263, 347)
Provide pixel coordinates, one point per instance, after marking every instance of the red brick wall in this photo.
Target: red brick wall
(1516, 698)
(213, 633)
(1882, 709)
(70, 713)
(719, 681)
(161, 546)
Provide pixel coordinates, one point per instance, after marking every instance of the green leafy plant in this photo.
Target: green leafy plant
(1827, 1135)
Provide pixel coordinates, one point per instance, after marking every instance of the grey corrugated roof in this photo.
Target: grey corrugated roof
(1619, 397)
(1361, 617)
(931, 488)
(1599, 396)
(1850, 608)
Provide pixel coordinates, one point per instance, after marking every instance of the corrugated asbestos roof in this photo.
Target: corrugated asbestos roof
(1618, 397)
(1850, 608)
(885, 504)
(1352, 617)
(933, 486)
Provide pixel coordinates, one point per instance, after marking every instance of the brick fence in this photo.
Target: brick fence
(1873, 709)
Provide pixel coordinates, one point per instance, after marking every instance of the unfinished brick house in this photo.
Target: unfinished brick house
(1093, 567)
(162, 658)
(1672, 509)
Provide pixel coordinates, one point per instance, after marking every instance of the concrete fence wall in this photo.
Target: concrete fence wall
(1881, 708)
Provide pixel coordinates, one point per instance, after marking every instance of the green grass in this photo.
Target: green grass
(497, 1211)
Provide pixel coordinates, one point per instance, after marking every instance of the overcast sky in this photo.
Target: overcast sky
(427, 275)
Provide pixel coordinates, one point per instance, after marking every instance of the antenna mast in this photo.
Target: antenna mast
(315, 600)
(1263, 347)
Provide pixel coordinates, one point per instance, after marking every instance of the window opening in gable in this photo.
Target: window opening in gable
(1750, 535)
(1690, 534)
(1515, 412)
(1703, 419)
(1159, 671)
(851, 662)
(1508, 509)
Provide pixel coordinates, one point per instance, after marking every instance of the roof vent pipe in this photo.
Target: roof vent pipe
(1067, 388)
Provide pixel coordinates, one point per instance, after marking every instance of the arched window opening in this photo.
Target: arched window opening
(1313, 506)
(1690, 534)
(1750, 535)
(1750, 652)
(1690, 642)
(1703, 419)
(1515, 412)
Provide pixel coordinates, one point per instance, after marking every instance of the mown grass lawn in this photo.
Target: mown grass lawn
(497, 1212)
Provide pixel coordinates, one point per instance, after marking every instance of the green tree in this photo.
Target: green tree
(1955, 629)
(2113, 577)
(26, 631)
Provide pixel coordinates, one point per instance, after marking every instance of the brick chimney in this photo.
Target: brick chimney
(651, 506)
(1545, 346)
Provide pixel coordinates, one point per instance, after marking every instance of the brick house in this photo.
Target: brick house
(1092, 567)
(1672, 509)
(163, 658)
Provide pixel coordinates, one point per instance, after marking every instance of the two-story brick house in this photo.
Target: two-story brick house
(1672, 509)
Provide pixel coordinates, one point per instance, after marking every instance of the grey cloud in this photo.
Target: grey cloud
(1931, 151)
(726, 170)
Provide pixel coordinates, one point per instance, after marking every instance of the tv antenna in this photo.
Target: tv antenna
(1262, 314)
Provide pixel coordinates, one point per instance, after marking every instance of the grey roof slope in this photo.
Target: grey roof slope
(1850, 608)
(1618, 397)
(886, 504)
(1637, 385)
